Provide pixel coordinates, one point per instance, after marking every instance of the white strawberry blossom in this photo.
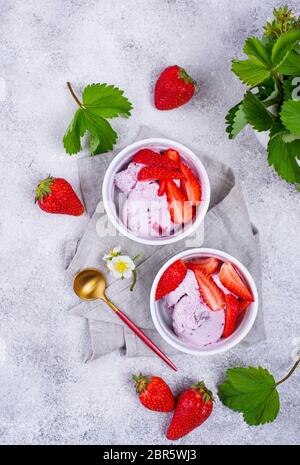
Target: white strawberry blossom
(112, 253)
(121, 266)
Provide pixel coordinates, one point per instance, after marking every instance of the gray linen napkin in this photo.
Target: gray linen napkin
(227, 227)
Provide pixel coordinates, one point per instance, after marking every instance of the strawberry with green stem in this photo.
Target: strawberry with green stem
(173, 88)
(56, 195)
(193, 408)
(154, 393)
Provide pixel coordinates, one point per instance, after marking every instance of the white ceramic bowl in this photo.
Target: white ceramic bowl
(162, 320)
(121, 161)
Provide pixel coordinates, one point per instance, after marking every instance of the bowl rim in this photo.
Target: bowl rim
(112, 168)
(231, 341)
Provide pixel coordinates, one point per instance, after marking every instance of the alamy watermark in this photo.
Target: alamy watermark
(296, 90)
(149, 220)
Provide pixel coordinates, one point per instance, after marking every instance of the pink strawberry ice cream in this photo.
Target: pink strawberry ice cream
(144, 212)
(193, 322)
(126, 180)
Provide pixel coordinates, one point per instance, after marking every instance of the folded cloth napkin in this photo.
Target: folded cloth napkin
(226, 227)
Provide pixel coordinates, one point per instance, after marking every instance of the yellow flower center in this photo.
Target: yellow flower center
(121, 267)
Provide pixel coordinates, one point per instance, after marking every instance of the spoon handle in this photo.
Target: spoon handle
(140, 334)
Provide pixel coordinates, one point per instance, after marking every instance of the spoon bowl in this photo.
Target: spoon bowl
(89, 284)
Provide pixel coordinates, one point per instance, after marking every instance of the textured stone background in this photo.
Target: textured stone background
(47, 393)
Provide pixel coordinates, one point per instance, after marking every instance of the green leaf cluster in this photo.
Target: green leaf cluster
(284, 20)
(99, 103)
(272, 101)
(251, 391)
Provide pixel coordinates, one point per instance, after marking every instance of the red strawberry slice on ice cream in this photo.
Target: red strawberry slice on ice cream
(155, 173)
(149, 157)
(172, 155)
(162, 188)
(190, 185)
(230, 279)
(171, 278)
(181, 210)
(232, 310)
(243, 305)
(212, 295)
(209, 265)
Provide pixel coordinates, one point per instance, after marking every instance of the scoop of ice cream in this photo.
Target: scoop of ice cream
(126, 180)
(187, 315)
(146, 213)
(188, 286)
(195, 324)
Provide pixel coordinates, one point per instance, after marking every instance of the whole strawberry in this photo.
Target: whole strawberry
(56, 195)
(154, 393)
(173, 88)
(193, 407)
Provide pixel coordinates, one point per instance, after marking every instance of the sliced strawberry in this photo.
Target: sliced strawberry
(180, 208)
(154, 173)
(162, 188)
(212, 295)
(208, 265)
(190, 184)
(171, 279)
(230, 279)
(172, 155)
(149, 157)
(231, 314)
(145, 155)
(243, 305)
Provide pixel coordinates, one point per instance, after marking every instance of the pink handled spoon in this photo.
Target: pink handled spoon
(90, 284)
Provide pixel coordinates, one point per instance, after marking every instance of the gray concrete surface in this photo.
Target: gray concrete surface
(47, 393)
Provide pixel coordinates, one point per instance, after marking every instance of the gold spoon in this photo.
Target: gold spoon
(90, 284)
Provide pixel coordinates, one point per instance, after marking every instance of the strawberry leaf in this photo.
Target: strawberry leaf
(106, 101)
(103, 137)
(251, 391)
(290, 116)
(283, 46)
(256, 113)
(291, 65)
(100, 101)
(255, 48)
(251, 71)
(287, 89)
(283, 155)
(235, 120)
(268, 92)
(74, 132)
